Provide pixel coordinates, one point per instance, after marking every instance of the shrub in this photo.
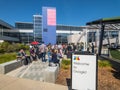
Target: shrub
(16, 47)
(25, 47)
(7, 47)
(2, 50)
(104, 63)
(115, 54)
(65, 64)
(4, 46)
(10, 48)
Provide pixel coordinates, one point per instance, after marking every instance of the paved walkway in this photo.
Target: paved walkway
(29, 77)
(12, 83)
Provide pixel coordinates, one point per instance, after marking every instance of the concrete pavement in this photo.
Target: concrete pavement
(13, 83)
(37, 70)
(33, 71)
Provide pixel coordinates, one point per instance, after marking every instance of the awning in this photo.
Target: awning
(110, 23)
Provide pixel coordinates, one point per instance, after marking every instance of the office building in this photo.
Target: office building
(7, 32)
(25, 30)
(62, 31)
(23, 33)
(37, 27)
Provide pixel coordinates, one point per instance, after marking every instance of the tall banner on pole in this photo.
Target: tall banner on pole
(49, 25)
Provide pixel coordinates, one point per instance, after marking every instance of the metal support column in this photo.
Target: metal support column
(108, 39)
(101, 39)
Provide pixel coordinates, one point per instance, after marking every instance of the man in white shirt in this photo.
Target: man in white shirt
(42, 51)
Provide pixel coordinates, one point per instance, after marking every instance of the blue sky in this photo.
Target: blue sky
(69, 12)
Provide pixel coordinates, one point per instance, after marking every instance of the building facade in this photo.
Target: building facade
(7, 32)
(37, 27)
(25, 31)
(62, 31)
(65, 30)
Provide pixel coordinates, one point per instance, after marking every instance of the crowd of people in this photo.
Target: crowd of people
(50, 53)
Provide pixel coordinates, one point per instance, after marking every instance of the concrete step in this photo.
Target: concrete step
(17, 72)
(37, 70)
(34, 71)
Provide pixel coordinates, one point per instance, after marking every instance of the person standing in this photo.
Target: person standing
(54, 58)
(69, 48)
(92, 48)
(42, 51)
(48, 51)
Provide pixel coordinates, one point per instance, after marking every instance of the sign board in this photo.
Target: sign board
(84, 72)
(49, 25)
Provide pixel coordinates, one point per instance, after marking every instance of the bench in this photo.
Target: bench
(9, 66)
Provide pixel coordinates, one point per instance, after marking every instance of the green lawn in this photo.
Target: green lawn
(7, 57)
(104, 63)
(10, 56)
(115, 54)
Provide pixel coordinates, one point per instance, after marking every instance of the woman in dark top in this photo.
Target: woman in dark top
(32, 53)
(24, 57)
(54, 56)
